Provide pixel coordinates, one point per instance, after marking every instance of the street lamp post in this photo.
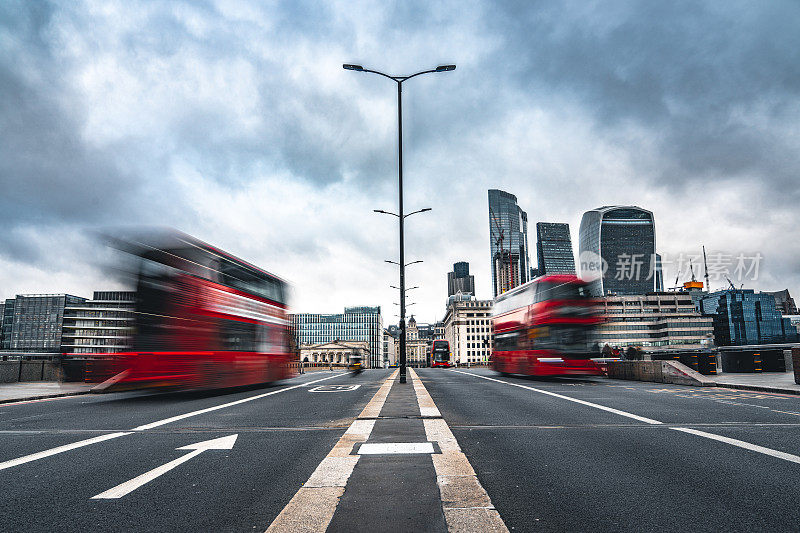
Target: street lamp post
(399, 80)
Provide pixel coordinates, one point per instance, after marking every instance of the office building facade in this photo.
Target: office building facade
(554, 249)
(617, 250)
(745, 317)
(33, 322)
(655, 321)
(417, 344)
(508, 242)
(468, 329)
(355, 324)
(390, 347)
(103, 324)
(460, 280)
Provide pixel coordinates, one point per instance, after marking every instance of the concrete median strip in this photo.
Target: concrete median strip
(466, 505)
(312, 507)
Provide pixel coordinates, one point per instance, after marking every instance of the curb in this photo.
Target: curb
(756, 388)
(43, 397)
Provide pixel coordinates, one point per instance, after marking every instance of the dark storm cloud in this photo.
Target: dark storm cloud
(174, 112)
(48, 177)
(700, 78)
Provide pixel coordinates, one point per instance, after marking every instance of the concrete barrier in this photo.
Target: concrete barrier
(658, 372)
(14, 371)
(9, 371)
(796, 364)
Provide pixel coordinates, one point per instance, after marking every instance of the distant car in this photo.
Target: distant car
(394, 365)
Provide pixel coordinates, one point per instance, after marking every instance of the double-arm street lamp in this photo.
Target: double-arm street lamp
(400, 216)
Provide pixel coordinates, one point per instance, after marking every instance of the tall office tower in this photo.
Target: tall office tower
(617, 250)
(554, 248)
(460, 280)
(508, 242)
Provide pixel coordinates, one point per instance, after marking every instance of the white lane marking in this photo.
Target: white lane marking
(561, 396)
(465, 503)
(158, 423)
(334, 388)
(60, 449)
(742, 444)
(311, 508)
(222, 443)
(727, 440)
(387, 448)
(87, 442)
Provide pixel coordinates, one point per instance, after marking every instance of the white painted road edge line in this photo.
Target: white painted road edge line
(466, 505)
(742, 444)
(727, 440)
(102, 438)
(561, 396)
(311, 508)
(60, 449)
(157, 423)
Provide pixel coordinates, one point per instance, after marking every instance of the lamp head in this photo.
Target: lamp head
(358, 68)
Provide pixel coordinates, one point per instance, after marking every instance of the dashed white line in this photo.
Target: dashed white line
(389, 448)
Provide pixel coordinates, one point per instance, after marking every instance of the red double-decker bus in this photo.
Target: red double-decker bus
(440, 354)
(546, 327)
(203, 319)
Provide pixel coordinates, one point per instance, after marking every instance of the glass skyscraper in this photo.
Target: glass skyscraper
(743, 316)
(508, 242)
(617, 250)
(554, 249)
(355, 324)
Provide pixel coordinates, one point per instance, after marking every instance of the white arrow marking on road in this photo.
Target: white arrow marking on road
(222, 443)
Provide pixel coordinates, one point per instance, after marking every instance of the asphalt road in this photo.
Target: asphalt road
(551, 464)
(281, 440)
(625, 456)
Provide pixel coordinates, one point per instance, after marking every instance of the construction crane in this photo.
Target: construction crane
(733, 287)
(705, 269)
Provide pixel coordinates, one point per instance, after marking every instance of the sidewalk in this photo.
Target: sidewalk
(782, 382)
(37, 390)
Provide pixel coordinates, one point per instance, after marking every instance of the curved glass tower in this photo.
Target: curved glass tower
(617, 250)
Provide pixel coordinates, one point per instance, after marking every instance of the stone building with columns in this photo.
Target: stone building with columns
(334, 352)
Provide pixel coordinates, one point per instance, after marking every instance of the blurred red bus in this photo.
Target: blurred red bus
(440, 354)
(203, 319)
(546, 327)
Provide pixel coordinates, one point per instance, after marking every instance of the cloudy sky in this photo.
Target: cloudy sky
(234, 122)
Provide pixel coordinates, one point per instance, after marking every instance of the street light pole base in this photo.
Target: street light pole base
(403, 378)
